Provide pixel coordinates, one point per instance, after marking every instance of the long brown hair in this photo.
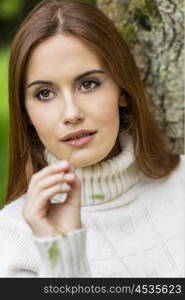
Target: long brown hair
(90, 25)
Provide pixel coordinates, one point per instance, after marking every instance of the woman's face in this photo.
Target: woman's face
(59, 103)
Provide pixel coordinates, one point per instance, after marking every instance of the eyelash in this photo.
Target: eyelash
(91, 80)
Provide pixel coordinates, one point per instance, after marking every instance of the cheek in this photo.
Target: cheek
(107, 111)
(41, 120)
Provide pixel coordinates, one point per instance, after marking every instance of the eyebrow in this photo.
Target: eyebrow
(77, 78)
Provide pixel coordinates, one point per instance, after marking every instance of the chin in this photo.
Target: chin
(81, 163)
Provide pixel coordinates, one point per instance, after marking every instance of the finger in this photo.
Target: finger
(44, 198)
(53, 180)
(62, 166)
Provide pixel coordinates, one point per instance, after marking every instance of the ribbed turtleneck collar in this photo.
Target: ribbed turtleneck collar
(108, 179)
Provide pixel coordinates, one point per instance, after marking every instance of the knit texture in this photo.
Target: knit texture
(65, 255)
(138, 231)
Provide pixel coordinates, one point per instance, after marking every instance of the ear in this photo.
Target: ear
(122, 100)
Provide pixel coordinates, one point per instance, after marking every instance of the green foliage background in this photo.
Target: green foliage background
(3, 121)
(12, 12)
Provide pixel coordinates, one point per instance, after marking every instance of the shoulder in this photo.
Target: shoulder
(166, 196)
(19, 256)
(11, 215)
(181, 168)
(175, 180)
(174, 184)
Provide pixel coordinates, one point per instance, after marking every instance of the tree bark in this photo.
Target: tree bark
(154, 29)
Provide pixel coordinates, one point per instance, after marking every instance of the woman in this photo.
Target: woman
(93, 189)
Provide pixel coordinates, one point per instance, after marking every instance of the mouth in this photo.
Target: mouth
(80, 140)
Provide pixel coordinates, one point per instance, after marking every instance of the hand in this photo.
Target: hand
(47, 219)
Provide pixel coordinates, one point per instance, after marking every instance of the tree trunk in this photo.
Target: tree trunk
(154, 29)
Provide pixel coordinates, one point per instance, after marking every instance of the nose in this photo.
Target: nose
(72, 112)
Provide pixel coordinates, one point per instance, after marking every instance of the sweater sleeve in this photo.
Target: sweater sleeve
(25, 255)
(64, 256)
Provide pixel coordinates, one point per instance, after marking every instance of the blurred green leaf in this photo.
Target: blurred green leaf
(54, 253)
(4, 54)
(97, 196)
(10, 8)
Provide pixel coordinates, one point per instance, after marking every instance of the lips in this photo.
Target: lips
(77, 135)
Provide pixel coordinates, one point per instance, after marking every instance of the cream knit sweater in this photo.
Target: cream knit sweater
(135, 230)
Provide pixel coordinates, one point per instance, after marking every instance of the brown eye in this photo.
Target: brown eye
(87, 84)
(90, 84)
(44, 94)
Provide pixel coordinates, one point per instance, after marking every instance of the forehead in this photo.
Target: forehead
(65, 55)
